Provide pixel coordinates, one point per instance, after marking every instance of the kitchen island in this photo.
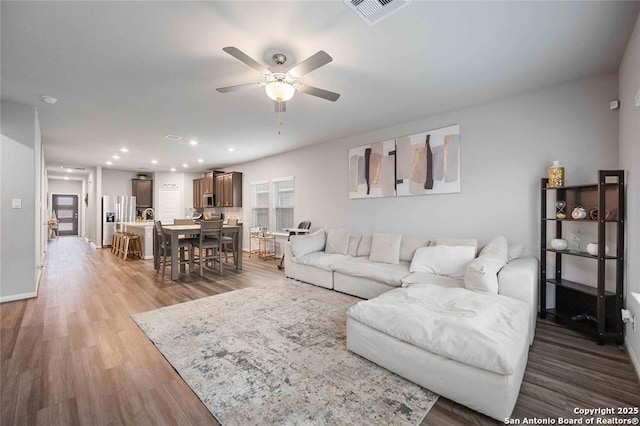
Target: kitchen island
(145, 231)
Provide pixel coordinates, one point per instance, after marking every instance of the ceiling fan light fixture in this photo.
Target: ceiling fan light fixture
(280, 91)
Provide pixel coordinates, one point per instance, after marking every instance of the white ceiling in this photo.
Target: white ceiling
(128, 73)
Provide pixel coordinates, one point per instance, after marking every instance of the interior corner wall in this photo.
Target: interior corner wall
(506, 146)
(629, 82)
(18, 234)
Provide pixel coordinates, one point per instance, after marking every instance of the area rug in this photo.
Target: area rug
(276, 354)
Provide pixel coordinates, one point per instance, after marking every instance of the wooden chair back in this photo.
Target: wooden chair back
(183, 221)
(210, 231)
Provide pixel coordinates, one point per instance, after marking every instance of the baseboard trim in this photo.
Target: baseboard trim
(15, 297)
(635, 361)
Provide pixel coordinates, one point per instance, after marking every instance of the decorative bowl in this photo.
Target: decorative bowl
(558, 244)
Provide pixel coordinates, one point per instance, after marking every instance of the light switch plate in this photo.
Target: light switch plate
(637, 99)
(614, 104)
(16, 203)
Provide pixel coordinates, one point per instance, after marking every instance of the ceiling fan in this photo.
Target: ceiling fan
(281, 83)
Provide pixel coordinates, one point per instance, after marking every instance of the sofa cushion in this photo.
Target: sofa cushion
(364, 248)
(376, 271)
(443, 260)
(337, 241)
(321, 260)
(425, 278)
(409, 245)
(486, 331)
(385, 248)
(305, 244)
(354, 242)
(482, 274)
(457, 242)
(515, 251)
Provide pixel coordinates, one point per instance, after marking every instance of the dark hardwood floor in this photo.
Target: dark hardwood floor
(74, 356)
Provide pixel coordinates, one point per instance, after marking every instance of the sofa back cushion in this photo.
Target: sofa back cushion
(304, 244)
(385, 248)
(443, 260)
(364, 248)
(354, 242)
(409, 245)
(458, 242)
(337, 241)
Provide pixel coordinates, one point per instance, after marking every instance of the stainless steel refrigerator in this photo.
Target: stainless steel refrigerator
(118, 208)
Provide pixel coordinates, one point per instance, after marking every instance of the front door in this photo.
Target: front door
(66, 209)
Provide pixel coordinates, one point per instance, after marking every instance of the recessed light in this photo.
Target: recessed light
(63, 167)
(109, 162)
(185, 165)
(200, 160)
(173, 169)
(49, 99)
(66, 178)
(154, 161)
(231, 149)
(69, 171)
(115, 157)
(124, 149)
(193, 143)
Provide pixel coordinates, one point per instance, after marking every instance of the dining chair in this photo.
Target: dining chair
(163, 250)
(209, 244)
(229, 240)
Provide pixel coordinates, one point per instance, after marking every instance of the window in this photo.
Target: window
(260, 204)
(283, 203)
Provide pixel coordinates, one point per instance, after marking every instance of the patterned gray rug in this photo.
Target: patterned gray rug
(276, 354)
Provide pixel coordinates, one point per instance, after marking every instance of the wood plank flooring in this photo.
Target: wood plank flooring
(74, 356)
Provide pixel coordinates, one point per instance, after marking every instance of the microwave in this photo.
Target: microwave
(209, 200)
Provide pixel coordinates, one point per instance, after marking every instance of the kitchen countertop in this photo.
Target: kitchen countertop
(138, 224)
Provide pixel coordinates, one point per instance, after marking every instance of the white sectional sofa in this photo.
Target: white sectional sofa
(426, 311)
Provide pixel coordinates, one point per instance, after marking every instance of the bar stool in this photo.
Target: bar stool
(116, 240)
(130, 241)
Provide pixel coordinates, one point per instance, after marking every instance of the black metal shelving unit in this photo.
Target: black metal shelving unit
(573, 298)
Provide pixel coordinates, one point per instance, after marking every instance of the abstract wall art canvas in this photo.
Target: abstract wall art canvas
(429, 162)
(372, 170)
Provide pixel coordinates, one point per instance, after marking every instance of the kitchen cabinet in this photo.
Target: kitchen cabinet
(208, 183)
(593, 310)
(198, 193)
(228, 189)
(142, 189)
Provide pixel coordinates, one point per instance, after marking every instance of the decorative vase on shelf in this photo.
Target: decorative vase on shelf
(592, 249)
(579, 213)
(558, 244)
(556, 175)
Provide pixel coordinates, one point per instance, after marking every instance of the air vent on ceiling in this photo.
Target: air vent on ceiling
(173, 137)
(372, 11)
(79, 168)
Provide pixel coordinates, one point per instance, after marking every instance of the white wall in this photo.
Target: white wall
(117, 182)
(507, 146)
(91, 210)
(20, 236)
(629, 76)
(67, 187)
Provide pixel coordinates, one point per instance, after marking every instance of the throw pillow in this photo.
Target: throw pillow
(482, 274)
(409, 245)
(385, 248)
(337, 241)
(354, 242)
(498, 248)
(364, 248)
(443, 260)
(302, 245)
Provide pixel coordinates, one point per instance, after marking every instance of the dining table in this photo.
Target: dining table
(174, 231)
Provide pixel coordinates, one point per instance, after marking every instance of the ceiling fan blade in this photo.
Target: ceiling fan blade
(311, 63)
(239, 87)
(244, 58)
(321, 93)
(279, 106)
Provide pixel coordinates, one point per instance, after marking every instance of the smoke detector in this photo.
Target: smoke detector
(373, 11)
